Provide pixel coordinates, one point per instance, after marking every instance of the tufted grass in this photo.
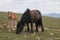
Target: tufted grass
(51, 25)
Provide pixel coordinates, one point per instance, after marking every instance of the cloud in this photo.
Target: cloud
(45, 6)
(2, 2)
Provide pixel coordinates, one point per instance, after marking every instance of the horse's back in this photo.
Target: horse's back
(12, 16)
(35, 14)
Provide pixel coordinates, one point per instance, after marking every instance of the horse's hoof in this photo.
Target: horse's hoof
(26, 31)
(36, 30)
(31, 32)
(42, 30)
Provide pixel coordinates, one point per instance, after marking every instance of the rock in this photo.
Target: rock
(51, 33)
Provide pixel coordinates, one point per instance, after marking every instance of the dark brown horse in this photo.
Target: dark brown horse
(30, 16)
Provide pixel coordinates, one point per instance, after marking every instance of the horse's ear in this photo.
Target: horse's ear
(27, 10)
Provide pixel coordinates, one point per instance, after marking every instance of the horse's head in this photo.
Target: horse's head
(9, 13)
(19, 27)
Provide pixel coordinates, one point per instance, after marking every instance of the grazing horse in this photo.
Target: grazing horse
(12, 20)
(30, 16)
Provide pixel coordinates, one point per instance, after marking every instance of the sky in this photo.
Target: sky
(19, 6)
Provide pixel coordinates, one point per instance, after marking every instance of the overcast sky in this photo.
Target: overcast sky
(45, 6)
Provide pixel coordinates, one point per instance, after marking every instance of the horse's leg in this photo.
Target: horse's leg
(36, 26)
(28, 27)
(9, 25)
(14, 24)
(31, 27)
(39, 23)
(42, 26)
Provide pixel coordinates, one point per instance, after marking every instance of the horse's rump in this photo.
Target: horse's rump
(35, 15)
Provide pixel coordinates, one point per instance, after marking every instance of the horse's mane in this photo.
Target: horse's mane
(27, 11)
(24, 16)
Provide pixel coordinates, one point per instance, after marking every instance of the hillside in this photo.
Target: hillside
(51, 26)
(56, 15)
(4, 16)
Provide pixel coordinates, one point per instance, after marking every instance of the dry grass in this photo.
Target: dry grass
(51, 25)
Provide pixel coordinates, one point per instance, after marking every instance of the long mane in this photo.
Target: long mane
(24, 16)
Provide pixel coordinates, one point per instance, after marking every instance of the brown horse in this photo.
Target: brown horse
(11, 16)
(12, 20)
(30, 16)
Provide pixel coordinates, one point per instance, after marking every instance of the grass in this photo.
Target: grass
(51, 33)
(4, 34)
(51, 22)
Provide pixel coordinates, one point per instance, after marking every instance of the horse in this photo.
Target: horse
(30, 16)
(12, 20)
(11, 16)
